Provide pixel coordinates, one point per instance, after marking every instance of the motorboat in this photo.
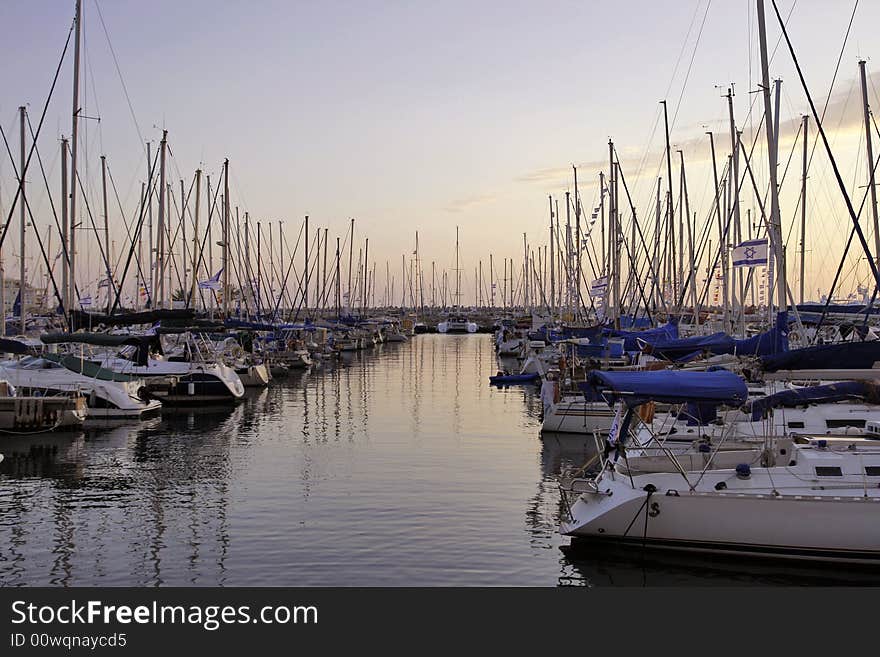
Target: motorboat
(457, 324)
(108, 394)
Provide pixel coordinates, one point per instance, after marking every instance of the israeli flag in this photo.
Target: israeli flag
(599, 286)
(212, 283)
(86, 301)
(753, 253)
(614, 431)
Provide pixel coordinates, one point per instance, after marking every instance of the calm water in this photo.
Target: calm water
(398, 466)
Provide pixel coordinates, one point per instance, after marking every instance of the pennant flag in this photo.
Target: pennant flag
(750, 254)
(212, 283)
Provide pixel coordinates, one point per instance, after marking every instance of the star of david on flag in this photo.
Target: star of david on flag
(750, 254)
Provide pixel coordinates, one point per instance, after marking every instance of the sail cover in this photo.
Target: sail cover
(670, 386)
(840, 356)
(666, 333)
(824, 394)
(774, 341)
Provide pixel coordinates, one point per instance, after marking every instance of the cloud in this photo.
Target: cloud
(463, 204)
(843, 115)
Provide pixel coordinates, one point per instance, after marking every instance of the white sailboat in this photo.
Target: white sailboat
(807, 498)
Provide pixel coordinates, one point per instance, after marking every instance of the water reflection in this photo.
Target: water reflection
(397, 465)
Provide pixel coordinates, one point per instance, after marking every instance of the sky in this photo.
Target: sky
(422, 116)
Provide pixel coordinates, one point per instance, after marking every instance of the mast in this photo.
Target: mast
(568, 249)
(670, 225)
(350, 255)
(775, 231)
(338, 283)
(614, 256)
(160, 236)
(457, 273)
(324, 280)
(210, 244)
(364, 291)
(65, 263)
(22, 281)
(306, 270)
(282, 279)
(226, 290)
(525, 274)
(691, 262)
(734, 169)
(73, 148)
(491, 281)
(578, 248)
(106, 229)
(721, 240)
(806, 120)
(602, 266)
(870, 153)
(195, 253)
(183, 202)
(151, 253)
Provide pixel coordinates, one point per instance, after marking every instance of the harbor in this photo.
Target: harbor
(656, 365)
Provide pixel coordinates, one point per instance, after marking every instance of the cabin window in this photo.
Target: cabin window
(872, 470)
(828, 471)
(835, 424)
(795, 425)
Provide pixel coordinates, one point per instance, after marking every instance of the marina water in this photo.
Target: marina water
(398, 466)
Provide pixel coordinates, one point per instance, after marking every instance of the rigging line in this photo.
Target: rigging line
(837, 175)
(27, 206)
(46, 181)
(684, 45)
(137, 235)
(39, 128)
(842, 261)
(119, 73)
(125, 222)
(690, 66)
(833, 79)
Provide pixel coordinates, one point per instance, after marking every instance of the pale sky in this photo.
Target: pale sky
(423, 116)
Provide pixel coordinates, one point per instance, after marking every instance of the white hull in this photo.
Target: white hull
(457, 327)
(783, 511)
(574, 415)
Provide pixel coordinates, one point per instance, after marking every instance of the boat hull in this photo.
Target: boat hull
(826, 526)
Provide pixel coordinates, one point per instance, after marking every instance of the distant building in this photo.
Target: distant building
(34, 298)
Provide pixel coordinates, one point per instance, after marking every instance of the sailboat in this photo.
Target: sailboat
(789, 497)
(457, 322)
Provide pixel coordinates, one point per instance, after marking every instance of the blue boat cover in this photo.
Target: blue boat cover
(843, 356)
(770, 342)
(666, 333)
(10, 346)
(824, 394)
(847, 309)
(670, 386)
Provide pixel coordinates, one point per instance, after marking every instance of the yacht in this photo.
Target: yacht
(794, 497)
(108, 394)
(457, 324)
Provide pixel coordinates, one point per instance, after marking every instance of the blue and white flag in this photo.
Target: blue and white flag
(85, 301)
(614, 431)
(599, 287)
(750, 254)
(212, 283)
(105, 282)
